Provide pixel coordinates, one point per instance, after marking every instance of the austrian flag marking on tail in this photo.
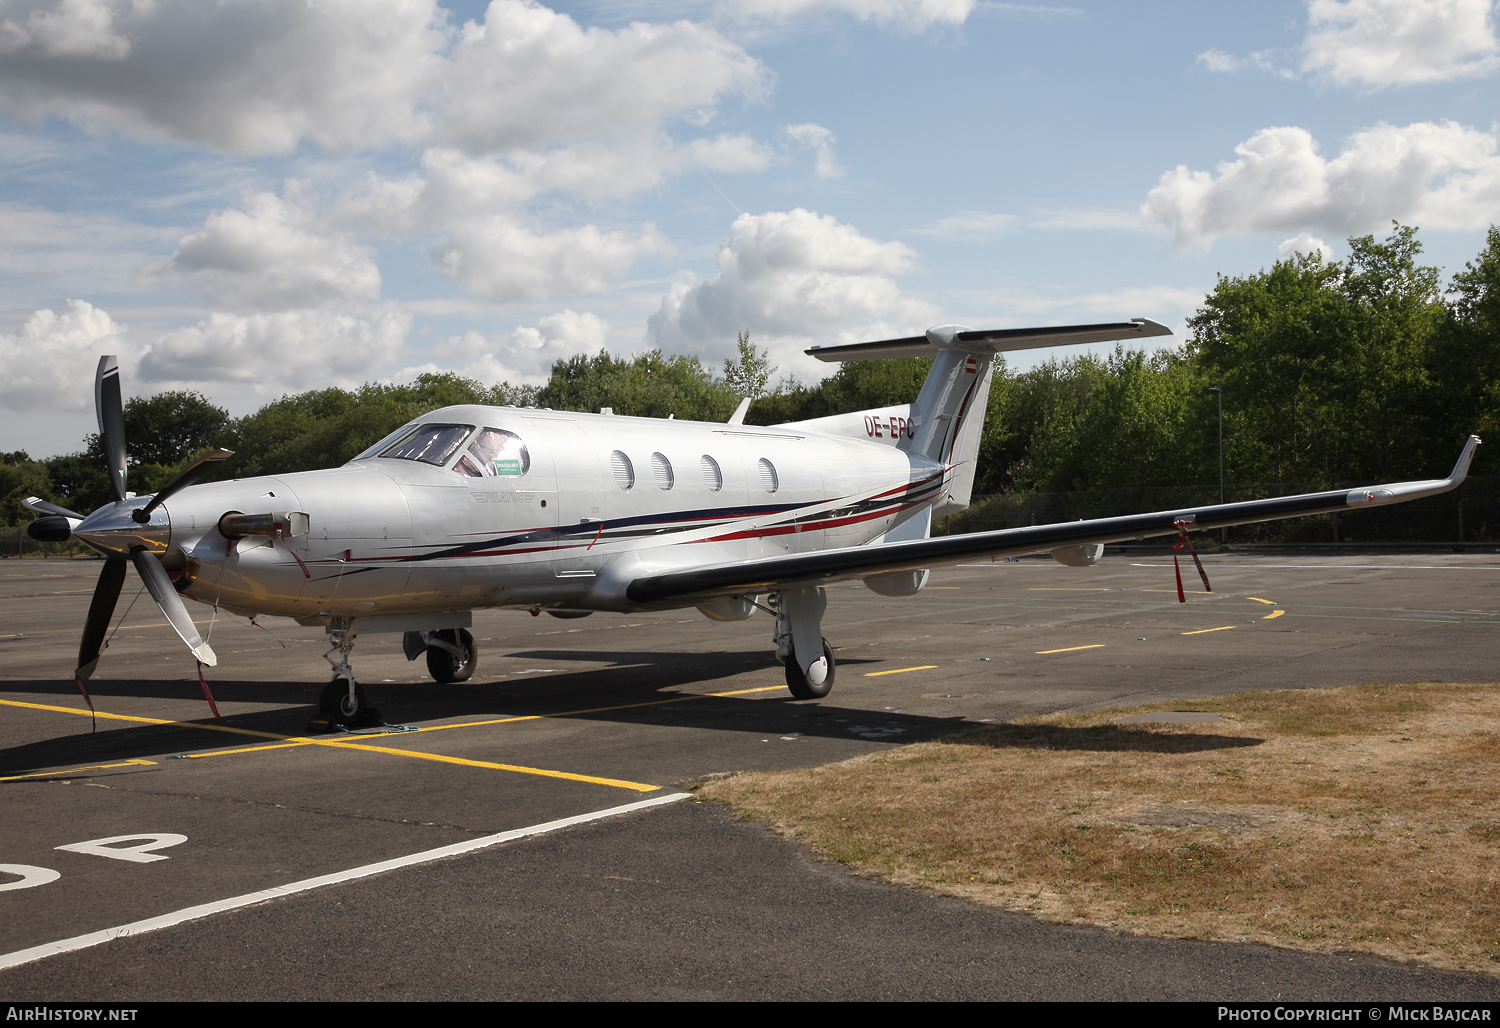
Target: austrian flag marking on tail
(971, 365)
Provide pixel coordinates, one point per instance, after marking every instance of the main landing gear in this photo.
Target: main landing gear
(451, 653)
(800, 644)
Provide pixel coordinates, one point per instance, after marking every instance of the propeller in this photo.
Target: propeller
(126, 532)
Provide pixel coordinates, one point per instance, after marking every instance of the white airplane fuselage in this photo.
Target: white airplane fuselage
(408, 536)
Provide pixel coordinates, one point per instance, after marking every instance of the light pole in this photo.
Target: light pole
(1223, 532)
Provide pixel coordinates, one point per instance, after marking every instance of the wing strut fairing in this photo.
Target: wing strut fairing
(818, 568)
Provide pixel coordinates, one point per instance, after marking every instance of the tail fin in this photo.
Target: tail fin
(947, 419)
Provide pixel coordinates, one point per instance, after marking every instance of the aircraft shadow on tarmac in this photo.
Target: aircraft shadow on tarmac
(643, 688)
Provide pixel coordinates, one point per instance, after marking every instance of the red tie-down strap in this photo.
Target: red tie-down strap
(203, 684)
(93, 715)
(1182, 525)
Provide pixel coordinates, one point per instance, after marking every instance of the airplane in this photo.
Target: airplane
(472, 507)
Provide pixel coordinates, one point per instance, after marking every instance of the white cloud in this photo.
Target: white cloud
(236, 76)
(970, 226)
(501, 259)
(1435, 175)
(522, 357)
(51, 360)
(909, 15)
(1378, 43)
(789, 277)
(1215, 59)
(272, 255)
(526, 77)
(819, 140)
(263, 76)
(1306, 243)
(98, 251)
(267, 354)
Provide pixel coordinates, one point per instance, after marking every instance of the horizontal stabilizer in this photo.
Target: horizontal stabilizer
(991, 340)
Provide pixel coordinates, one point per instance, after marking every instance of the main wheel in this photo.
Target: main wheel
(335, 702)
(444, 666)
(796, 681)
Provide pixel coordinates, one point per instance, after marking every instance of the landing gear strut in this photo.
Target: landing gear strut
(800, 644)
(343, 700)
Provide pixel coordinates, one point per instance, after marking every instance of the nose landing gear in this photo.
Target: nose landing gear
(343, 700)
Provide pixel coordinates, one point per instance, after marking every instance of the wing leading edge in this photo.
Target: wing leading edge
(810, 569)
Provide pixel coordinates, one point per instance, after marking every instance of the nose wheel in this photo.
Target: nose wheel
(344, 702)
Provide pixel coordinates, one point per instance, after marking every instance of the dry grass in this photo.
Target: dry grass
(1336, 819)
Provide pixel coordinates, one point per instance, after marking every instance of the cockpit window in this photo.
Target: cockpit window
(497, 452)
(385, 441)
(431, 444)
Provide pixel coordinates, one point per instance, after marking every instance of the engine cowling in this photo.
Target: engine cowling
(1079, 556)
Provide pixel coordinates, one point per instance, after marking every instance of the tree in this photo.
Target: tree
(1466, 361)
(167, 429)
(748, 376)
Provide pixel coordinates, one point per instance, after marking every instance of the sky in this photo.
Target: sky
(255, 197)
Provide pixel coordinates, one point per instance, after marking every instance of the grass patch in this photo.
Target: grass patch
(1359, 818)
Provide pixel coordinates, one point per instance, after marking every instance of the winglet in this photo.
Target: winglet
(738, 417)
(1398, 491)
(1461, 469)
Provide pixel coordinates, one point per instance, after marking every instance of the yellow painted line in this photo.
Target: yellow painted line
(1257, 599)
(899, 670)
(1273, 614)
(1195, 592)
(294, 741)
(76, 770)
(1066, 589)
(1221, 628)
(351, 742)
(1070, 649)
(615, 782)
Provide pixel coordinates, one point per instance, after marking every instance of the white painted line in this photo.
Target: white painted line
(151, 924)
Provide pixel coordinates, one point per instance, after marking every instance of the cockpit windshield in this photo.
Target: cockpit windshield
(431, 444)
(495, 452)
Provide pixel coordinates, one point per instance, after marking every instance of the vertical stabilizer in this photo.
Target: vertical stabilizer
(949, 414)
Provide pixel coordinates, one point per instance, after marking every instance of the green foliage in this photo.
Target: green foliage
(1324, 365)
(649, 385)
(748, 375)
(167, 429)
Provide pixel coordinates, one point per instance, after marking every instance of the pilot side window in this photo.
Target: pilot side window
(495, 452)
(430, 444)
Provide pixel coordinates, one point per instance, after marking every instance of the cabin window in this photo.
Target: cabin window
(623, 469)
(662, 469)
(712, 476)
(430, 444)
(768, 479)
(499, 453)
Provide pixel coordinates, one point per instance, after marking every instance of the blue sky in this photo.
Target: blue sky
(266, 196)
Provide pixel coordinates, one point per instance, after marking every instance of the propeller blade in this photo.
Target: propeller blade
(187, 476)
(111, 411)
(106, 592)
(37, 505)
(165, 595)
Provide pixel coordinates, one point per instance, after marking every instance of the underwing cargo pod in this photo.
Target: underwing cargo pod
(472, 507)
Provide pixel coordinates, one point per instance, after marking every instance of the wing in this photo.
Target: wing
(706, 582)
